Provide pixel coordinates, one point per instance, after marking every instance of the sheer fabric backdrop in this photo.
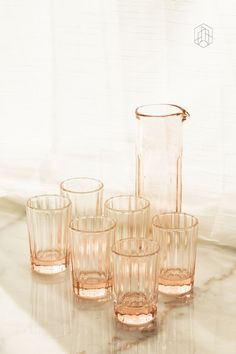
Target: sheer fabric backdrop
(72, 72)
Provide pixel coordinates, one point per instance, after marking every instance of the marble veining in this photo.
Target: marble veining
(40, 314)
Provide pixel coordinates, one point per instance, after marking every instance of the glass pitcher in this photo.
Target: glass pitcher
(159, 156)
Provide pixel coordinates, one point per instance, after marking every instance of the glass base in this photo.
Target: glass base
(175, 281)
(175, 290)
(49, 261)
(135, 320)
(49, 269)
(135, 310)
(93, 290)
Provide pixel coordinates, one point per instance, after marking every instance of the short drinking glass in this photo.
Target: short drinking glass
(86, 195)
(131, 215)
(91, 241)
(48, 218)
(135, 280)
(176, 233)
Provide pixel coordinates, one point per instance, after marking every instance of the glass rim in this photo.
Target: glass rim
(159, 226)
(182, 112)
(63, 188)
(127, 210)
(92, 217)
(48, 195)
(125, 254)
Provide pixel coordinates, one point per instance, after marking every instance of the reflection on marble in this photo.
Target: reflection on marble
(51, 300)
(92, 327)
(40, 313)
(178, 318)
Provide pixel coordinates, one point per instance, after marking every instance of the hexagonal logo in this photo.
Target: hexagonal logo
(203, 35)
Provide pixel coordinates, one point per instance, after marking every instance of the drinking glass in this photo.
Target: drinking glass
(91, 241)
(131, 215)
(86, 195)
(48, 218)
(135, 280)
(176, 233)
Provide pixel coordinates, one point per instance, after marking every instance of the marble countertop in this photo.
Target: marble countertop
(39, 314)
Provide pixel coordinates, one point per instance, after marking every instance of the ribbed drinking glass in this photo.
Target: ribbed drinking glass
(86, 195)
(135, 280)
(48, 218)
(131, 215)
(91, 241)
(176, 233)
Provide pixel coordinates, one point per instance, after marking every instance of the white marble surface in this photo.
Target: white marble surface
(39, 314)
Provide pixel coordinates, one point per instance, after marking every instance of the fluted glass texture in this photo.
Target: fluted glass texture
(176, 234)
(135, 280)
(48, 218)
(91, 241)
(131, 215)
(86, 195)
(159, 156)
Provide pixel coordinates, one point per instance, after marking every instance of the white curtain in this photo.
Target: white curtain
(72, 73)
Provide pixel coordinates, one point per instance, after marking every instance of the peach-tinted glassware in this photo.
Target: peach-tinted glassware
(86, 195)
(159, 156)
(176, 234)
(131, 215)
(48, 218)
(135, 280)
(91, 240)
